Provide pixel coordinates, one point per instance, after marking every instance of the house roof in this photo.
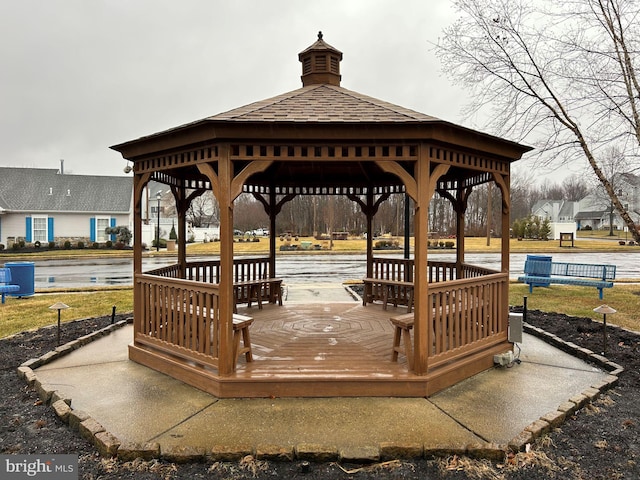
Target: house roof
(631, 179)
(46, 190)
(588, 215)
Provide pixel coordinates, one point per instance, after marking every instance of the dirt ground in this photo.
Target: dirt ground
(600, 441)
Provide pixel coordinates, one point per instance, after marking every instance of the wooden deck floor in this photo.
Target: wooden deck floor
(320, 350)
(314, 339)
(323, 349)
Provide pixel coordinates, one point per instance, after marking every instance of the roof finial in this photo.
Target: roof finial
(320, 35)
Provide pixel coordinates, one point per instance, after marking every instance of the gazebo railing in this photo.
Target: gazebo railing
(402, 270)
(397, 269)
(244, 270)
(466, 316)
(178, 317)
(178, 313)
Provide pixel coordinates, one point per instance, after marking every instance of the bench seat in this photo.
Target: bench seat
(249, 290)
(542, 274)
(5, 283)
(391, 291)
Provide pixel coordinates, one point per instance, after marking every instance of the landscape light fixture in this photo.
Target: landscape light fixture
(604, 309)
(158, 197)
(59, 306)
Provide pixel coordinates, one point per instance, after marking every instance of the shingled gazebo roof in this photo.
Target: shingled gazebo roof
(324, 135)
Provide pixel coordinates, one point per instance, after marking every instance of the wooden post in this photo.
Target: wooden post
(226, 363)
(505, 247)
(273, 213)
(489, 215)
(422, 315)
(139, 185)
(369, 212)
(182, 204)
(226, 187)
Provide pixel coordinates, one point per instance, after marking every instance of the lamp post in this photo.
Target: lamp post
(604, 309)
(158, 197)
(59, 306)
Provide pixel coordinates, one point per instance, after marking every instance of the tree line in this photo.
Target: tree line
(310, 215)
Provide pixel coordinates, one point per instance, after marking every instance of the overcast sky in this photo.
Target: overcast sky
(78, 76)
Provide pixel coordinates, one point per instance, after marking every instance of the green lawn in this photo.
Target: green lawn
(29, 313)
(19, 314)
(580, 301)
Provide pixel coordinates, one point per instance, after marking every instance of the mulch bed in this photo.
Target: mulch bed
(599, 442)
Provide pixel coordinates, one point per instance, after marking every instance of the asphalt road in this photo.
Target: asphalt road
(62, 273)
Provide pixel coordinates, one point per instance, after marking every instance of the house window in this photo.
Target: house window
(101, 225)
(39, 229)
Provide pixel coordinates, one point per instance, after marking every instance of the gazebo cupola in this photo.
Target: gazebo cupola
(320, 64)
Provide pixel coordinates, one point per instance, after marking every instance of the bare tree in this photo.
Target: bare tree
(248, 213)
(203, 211)
(613, 167)
(560, 75)
(574, 188)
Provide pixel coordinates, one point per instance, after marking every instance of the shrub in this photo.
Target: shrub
(108, 244)
(80, 245)
(67, 245)
(21, 243)
(172, 233)
(119, 245)
(122, 233)
(382, 244)
(52, 245)
(449, 244)
(1, 246)
(37, 244)
(95, 245)
(16, 246)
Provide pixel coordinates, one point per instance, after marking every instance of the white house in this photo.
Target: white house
(46, 205)
(596, 210)
(560, 213)
(593, 211)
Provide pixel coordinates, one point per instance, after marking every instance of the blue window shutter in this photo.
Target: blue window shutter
(50, 229)
(92, 229)
(29, 232)
(113, 224)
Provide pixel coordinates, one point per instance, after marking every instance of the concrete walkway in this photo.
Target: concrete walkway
(147, 413)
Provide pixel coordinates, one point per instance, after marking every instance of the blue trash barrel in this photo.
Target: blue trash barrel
(22, 274)
(540, 266)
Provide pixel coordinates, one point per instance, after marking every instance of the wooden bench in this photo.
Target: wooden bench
(241, 324)
(5, 283)
(249, 290)
(539, 273)
(391, 291)
(403, 325)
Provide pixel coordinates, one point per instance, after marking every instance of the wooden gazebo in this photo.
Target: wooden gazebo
(321, 139)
